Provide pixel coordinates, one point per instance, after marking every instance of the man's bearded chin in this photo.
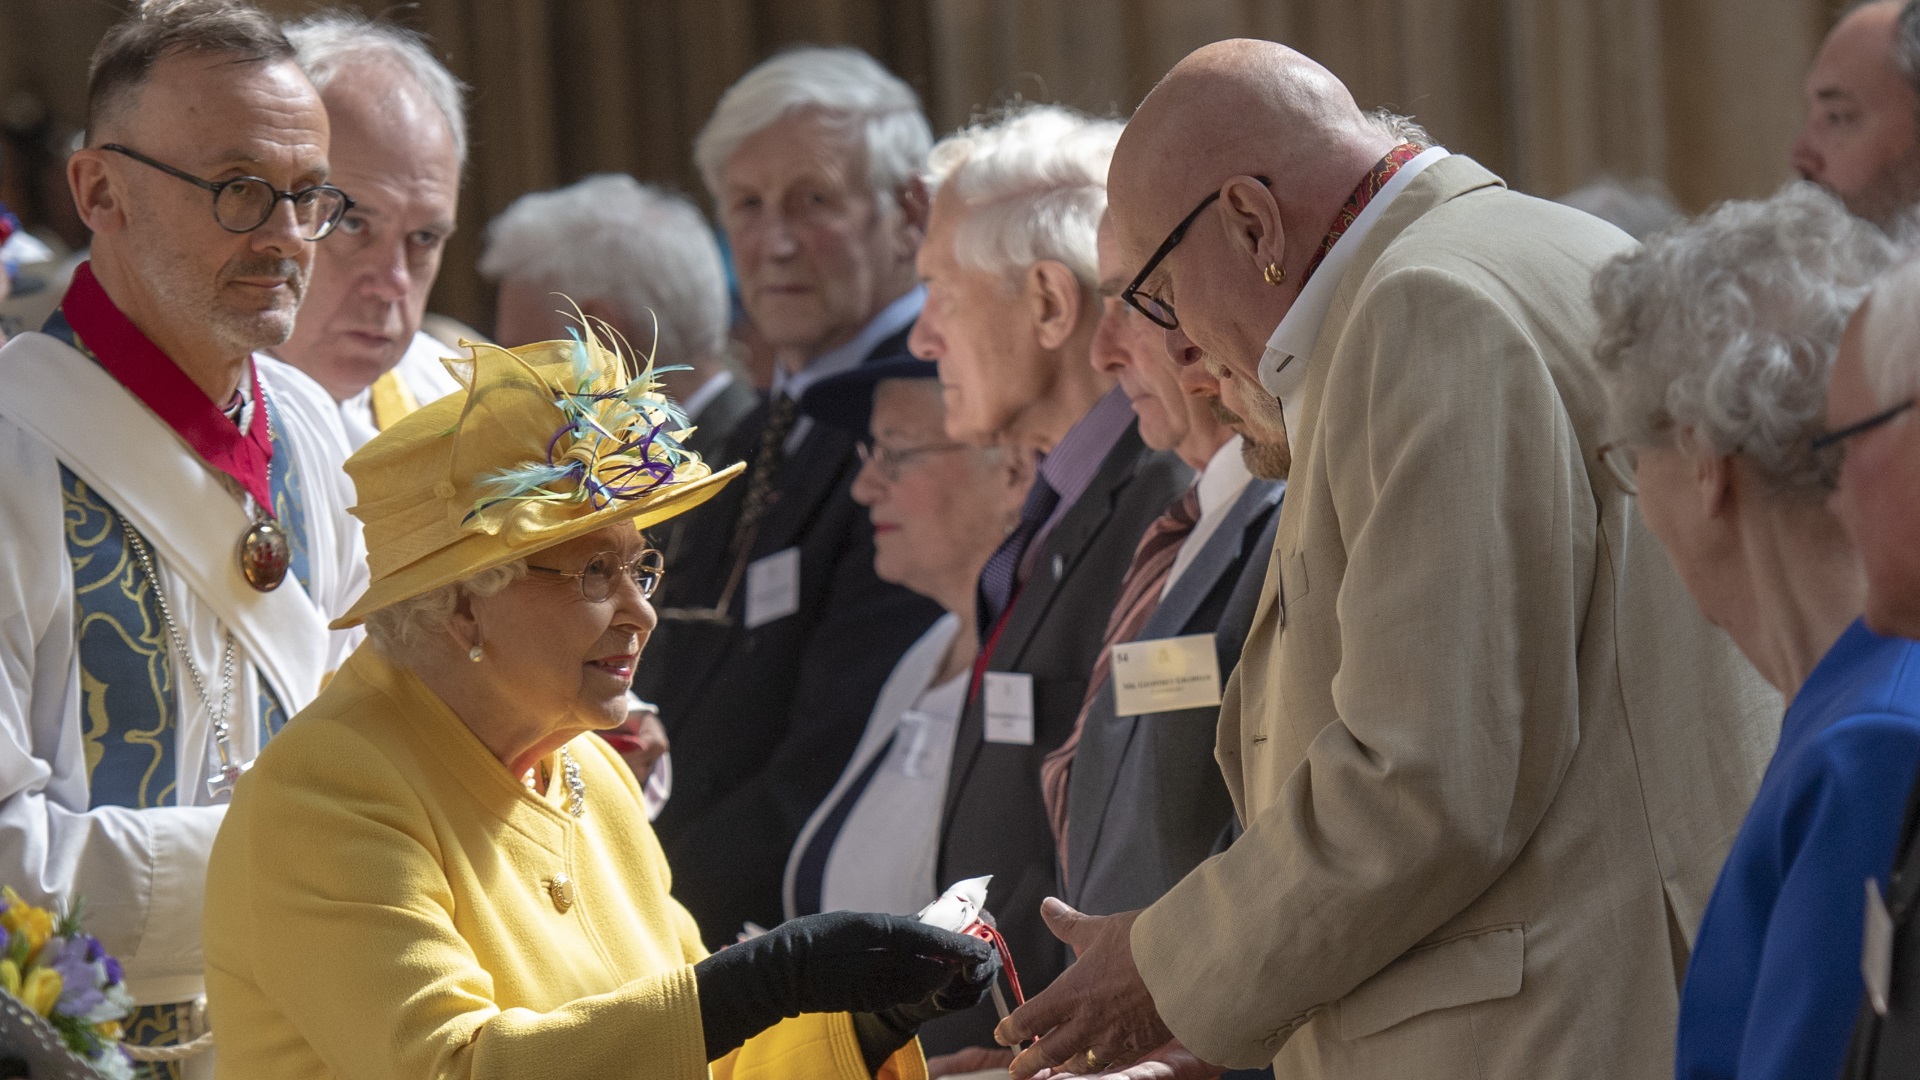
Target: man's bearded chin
(1892, 199)
(247, 331)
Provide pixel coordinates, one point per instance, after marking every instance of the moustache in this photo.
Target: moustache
(266, 266)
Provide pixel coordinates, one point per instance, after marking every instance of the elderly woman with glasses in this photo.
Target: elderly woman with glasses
(1717, 342)
(939, 509)
(435, 871)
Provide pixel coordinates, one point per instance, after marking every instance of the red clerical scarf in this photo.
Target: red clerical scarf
(132, 358)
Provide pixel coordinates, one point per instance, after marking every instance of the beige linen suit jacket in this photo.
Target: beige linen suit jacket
(1489, 755)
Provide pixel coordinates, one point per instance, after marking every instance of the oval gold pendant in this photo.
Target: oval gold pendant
(560, 888)
(265, 554)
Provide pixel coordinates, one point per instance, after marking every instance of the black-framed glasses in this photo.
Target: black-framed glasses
(244, 203)
(1160, 311)
(602, 572)
(1861, 427)
(889, 461)
(1829, 450)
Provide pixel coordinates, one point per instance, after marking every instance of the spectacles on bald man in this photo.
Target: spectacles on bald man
(1161, 311)
(244, 203)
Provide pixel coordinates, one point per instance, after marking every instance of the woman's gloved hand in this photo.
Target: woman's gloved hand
(842, 961)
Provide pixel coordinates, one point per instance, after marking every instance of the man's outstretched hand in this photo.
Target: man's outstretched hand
(1098, 1005)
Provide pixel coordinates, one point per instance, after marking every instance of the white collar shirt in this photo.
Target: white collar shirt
(1283, 367)
(892, 319)
(697, 402)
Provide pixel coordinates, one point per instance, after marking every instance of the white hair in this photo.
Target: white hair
(644, 250)
(404, 627)
(1890, 335)
(1034, 183)
(333, 41)
(1638, 208)
(842, 84)
(1728, 326)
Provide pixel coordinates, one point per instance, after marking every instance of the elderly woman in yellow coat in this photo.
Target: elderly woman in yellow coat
(436, 871)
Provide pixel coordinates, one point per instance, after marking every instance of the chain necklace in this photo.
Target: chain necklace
(222, 780)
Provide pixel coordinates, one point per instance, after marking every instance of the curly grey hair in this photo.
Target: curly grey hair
(1728, 326)
(402, 629)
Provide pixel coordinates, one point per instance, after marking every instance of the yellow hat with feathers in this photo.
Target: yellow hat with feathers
(545, 443)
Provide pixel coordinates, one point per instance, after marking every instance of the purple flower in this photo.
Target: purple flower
(79, 977)
(114, 974)
(6, 939)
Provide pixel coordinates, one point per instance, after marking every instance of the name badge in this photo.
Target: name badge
(1009, 702)
(1165, 674)
(1876, 949)
(773, 587)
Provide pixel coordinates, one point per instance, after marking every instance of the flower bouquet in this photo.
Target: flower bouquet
(64, 996)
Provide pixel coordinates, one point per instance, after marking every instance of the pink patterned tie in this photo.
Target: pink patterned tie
(1139, 597)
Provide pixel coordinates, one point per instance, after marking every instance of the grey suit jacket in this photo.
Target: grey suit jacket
(995, 822)
(1145, 802)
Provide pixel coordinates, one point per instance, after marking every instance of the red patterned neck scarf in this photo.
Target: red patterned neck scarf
(1369, 186)
(135, 362)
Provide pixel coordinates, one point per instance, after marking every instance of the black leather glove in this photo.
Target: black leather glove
(842, 961)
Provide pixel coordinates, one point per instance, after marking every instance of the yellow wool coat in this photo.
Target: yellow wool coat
(385, 900)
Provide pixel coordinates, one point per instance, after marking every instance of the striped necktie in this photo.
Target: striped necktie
(1003, 567)
(1139, 597)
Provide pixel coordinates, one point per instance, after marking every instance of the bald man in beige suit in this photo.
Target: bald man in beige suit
(1488, 756)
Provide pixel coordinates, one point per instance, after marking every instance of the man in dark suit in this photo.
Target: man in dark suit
(775, 636)
(1139, 798)
(1011, 313)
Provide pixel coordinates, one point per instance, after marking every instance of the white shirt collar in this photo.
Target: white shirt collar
(1283, 368)
(892, 319)
(698, 401)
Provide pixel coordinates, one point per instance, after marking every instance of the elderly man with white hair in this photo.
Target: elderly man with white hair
(1717, 340)
(1487, 755)
(1872, 421)
(644, 262)
(399, 145)
(1013, 305)
(775, 633)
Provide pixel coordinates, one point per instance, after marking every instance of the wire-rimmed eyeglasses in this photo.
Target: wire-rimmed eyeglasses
(1161, 311)
(890, 460)
(1861, 427)
(602, 572)
(244, 203)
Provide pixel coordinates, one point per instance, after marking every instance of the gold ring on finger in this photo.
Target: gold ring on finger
(1095, 1064)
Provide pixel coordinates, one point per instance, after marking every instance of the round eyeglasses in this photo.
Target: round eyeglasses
(244, 203)
(602, 573)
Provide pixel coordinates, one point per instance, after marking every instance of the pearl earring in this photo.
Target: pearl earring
(474, 654)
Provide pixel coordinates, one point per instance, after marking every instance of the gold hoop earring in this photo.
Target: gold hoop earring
(1275, 275)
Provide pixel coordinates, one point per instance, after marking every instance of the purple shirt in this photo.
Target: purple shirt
(1071, 464)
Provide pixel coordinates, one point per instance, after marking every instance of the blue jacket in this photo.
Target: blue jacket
(1775, 976)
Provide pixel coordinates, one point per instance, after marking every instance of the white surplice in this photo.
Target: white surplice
(142, 871)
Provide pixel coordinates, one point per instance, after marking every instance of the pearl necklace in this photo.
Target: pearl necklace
(576, 803)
